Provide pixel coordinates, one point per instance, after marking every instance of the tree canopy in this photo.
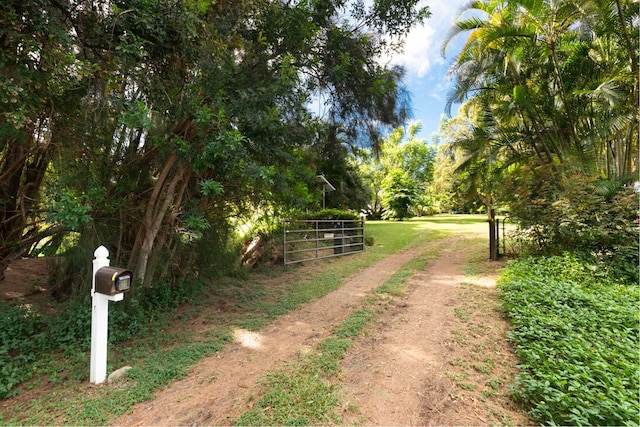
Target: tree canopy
(399, 174)
(551, 82)
(149, 126)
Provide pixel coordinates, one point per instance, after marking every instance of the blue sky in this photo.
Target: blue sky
(426, 68)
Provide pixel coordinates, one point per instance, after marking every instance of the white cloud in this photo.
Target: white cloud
(422, 48)
(426, 78)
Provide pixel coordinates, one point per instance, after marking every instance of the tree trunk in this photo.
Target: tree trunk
(163, 197)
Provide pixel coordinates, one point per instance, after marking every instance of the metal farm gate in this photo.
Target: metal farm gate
(306, 240)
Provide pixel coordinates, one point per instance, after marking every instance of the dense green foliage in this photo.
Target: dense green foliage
(154, 128)
(334, 161)
(549, 90)
(596, 219)
(578, 340)
(330, 214)
(553, 83)
(398, 175)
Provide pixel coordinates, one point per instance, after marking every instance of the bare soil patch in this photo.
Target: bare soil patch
(25, 280)
(219, 388)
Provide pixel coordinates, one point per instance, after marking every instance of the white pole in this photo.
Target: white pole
(99, 320)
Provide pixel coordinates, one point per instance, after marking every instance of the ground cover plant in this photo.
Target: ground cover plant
(578, 340)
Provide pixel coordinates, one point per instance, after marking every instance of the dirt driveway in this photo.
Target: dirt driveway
(438, 356)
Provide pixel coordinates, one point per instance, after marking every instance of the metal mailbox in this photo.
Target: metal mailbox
(113, 280)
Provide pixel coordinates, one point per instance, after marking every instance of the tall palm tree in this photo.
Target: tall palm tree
(561, 75)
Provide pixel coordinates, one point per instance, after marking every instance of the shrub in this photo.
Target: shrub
(400, 194)
(579, 213)
(578, 339)
(332, 214)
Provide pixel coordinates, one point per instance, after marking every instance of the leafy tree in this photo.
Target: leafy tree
(442, 188)
(153, 126)
(367, 98)
(544, 71)
(334, 161)
(417, 159)
(399, 176)
(399, 194)
(35, 56)
(550, 91)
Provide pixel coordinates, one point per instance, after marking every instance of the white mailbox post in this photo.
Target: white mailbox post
(100, 320)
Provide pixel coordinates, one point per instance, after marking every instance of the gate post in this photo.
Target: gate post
(497, 238)
(284, 243)
(493, 244)
(317, 237)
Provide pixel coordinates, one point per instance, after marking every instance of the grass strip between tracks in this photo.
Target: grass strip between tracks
(304, 390)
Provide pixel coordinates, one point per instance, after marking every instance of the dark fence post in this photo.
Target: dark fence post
(493, 244)
(504, 240)
(497, 238)
(338, 240)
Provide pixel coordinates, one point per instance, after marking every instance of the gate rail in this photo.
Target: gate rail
(306, 240)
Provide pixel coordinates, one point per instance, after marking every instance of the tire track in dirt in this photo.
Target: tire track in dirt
(385, 374)
(397, 375)
(216, 391)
